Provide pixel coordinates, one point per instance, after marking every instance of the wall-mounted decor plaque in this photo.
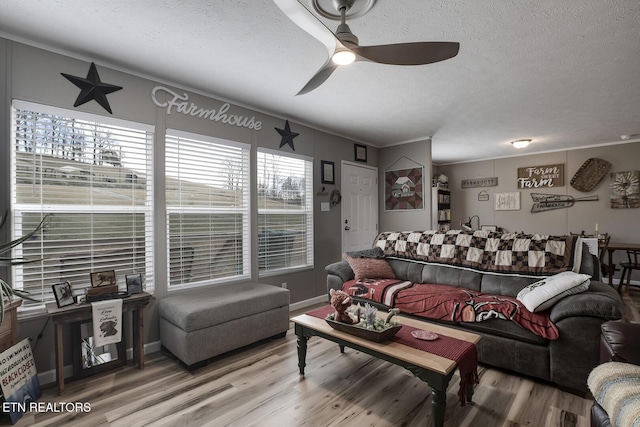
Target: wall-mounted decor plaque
(480, 182)
(546, 176)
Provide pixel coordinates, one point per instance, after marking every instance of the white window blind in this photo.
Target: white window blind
(207, 198)
(92, 176)
(285, 212)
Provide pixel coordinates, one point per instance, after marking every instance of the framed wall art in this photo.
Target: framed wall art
(327, 172)
(625, 190)
(507, 201)
(360, 152)
(403, 189)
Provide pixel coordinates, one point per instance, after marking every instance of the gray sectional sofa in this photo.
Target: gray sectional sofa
(565, 361)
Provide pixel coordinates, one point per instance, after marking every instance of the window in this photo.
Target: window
(207, 198)
(92, 176)
(285, 212)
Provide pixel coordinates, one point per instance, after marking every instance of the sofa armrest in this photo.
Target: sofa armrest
(341, 269)
(600, 300)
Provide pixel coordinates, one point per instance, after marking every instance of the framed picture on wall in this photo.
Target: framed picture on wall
(360, 152)
(507, 201)
(327, 170)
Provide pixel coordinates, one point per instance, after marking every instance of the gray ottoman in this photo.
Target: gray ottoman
(196, 326)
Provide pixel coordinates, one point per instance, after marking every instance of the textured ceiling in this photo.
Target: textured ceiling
(564, 73)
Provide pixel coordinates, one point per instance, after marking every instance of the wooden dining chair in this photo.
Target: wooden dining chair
(633, 256)
(603, 244)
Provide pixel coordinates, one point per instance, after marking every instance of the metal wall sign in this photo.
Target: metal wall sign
(480, 182)
(541, 176)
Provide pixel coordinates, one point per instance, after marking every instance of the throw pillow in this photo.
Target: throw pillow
(543, 294)
(370, 268)
(367, 253)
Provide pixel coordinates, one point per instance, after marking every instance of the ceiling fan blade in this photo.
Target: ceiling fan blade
(302, 17)
(320, 77)
(418, 53)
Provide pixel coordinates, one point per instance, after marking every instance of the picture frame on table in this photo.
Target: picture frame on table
(360, 152)
(327, 172)
(490, 228)
(64, 294)
(103, 278)
(134, 283)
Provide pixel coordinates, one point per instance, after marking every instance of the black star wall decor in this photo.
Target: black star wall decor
(92, 88)
(287, 135)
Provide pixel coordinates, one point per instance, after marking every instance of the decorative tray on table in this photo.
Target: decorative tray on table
(367, 334)
(381, 330)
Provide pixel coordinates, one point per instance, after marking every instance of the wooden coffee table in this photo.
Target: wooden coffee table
(435, 370)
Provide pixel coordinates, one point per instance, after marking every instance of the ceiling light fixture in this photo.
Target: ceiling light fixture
(521, 143)
(343, 57)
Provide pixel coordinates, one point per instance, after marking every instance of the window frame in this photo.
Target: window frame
(17, 209)
(307, 212)
(245, 211)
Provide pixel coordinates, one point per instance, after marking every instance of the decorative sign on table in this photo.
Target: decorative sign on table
(541, 176)
(20, 384)
(480, 182)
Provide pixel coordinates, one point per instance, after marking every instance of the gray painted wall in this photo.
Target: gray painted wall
(620, 223)
(31, 74)
(399, 157)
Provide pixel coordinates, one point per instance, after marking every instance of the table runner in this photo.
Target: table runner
(464, 353)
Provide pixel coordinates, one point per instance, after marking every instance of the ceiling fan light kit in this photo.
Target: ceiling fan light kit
(343, 46)
(521, 143)
(343, 57)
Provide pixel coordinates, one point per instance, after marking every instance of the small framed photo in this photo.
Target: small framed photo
(490, 228)
(64, 295)
(103, 278)
(360, 152)
(134, 283)
(327, 172)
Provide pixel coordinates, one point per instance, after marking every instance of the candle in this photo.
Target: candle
(596, 229)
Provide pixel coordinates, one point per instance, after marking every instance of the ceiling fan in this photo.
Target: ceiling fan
(343, 45)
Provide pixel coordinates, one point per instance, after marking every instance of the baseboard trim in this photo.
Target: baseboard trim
(308, 302)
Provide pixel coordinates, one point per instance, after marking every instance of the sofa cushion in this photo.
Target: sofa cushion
(543, 294)
(370, 268)
(367, 253)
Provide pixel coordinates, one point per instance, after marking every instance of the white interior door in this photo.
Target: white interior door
(359, 206)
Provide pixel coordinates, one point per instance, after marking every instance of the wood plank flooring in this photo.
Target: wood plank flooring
(260, 386)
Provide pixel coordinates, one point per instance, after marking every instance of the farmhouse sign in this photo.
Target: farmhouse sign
(541, 176)
(182, 105)
(480, 182)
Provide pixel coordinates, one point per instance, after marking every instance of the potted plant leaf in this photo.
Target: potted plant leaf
(6, 290)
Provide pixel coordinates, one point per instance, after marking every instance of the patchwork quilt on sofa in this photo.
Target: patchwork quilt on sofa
(527, 254)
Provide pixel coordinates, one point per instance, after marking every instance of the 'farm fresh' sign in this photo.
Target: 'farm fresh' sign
(541, 176)
(182, 105)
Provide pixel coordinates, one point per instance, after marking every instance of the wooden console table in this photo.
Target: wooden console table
(75, 315)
